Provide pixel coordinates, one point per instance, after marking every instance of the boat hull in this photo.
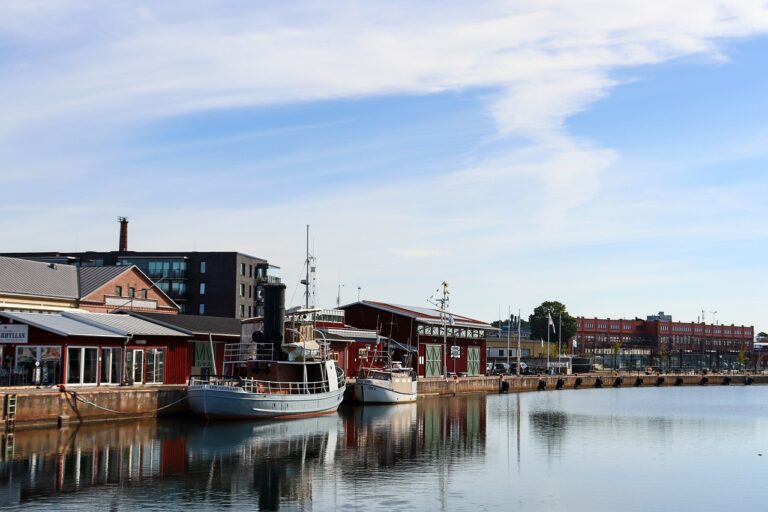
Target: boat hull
(224, 402)
(373, 391)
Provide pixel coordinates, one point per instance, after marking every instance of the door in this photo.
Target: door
(134, 366)
(473, 361)
(110, 365)
(433, 361)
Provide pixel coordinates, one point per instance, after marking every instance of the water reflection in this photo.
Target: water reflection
(270, 464)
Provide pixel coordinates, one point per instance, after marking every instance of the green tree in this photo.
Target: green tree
(539, 323)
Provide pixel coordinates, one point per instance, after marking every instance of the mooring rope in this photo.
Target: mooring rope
(88, 402)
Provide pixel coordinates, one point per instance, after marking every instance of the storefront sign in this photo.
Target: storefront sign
(14, 333)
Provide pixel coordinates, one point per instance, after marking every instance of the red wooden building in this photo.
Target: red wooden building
(92, 349)
(425, 337)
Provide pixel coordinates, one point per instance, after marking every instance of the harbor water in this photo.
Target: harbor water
(640, 449)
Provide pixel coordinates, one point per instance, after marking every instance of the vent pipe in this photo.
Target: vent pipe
(123, 233)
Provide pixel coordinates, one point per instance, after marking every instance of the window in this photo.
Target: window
(111, 361)
(249, 312)
(201, 309)
(155, 366)
(50, 365)
(143, 293)
(250, 270)
(202, 288)
(242, 290)
(202, 267)
(119, 291)
(131, 292)
(250, 290)
(82, 365)
(242, 269)
(242, 310)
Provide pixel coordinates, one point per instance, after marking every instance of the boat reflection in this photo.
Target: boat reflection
(272, 464)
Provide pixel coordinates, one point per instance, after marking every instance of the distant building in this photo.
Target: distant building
(419, 334)
(658, 341)
(227, 284)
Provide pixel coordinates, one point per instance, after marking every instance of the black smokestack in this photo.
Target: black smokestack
(123, 233)
(274, 317)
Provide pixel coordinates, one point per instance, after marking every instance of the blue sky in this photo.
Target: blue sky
(610, 155)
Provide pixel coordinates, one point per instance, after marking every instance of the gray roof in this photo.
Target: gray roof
(196, 324)
(124, 324)
(62, 325)
(25, 277)
(93, 278)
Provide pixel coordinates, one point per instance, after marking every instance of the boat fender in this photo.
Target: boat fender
(577, 383)
(679, 381)
(599, 382)
(659, 381)
(560, 384)
(727, 381)
(503, 387)
(704, 381)
(638, 382)
(748, 381)
(542, 384)
(618, 382)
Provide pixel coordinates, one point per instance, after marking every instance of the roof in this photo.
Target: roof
(61, 325)
(124, 324)
(350, 334)
(26, 277)
(93, 278)
(425, 315)
(195, 324)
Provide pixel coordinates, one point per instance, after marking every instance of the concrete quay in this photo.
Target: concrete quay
(589, 381)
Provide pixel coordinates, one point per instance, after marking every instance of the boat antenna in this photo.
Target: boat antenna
(309, 280)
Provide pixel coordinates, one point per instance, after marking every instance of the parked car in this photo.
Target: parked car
(500, 369)
(524, 370)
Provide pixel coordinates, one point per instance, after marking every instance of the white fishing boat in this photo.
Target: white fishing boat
(388, 385)
(279, 373)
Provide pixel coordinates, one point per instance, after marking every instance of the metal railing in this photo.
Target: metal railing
(245, 352)
(269, 387)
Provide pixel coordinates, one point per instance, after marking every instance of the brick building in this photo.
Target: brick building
(660, 341)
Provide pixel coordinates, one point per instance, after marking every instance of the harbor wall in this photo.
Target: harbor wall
(533, 383)
(51, 407)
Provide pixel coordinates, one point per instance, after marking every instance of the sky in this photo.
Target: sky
(607, 154)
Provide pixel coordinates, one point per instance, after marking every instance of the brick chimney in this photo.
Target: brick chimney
(123, 233)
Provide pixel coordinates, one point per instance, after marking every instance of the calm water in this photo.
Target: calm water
(642, 449)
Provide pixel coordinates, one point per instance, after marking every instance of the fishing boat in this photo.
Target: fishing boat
(390, 384)
(277, 373)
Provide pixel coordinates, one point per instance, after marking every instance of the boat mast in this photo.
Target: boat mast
(306, 281)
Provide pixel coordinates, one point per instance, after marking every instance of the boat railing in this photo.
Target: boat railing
(244, 352)
(269, 387)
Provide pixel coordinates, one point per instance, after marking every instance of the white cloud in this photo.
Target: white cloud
(110, 68)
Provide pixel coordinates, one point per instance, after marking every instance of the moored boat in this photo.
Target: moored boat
(271, 375)
(388, 385)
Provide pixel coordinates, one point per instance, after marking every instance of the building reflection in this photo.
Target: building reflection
(272, 464)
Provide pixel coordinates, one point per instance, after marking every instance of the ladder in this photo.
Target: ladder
(10, 426)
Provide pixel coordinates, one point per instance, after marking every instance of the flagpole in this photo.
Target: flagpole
(518, 342)
(559, 338)
(549, 319)
(509, 329)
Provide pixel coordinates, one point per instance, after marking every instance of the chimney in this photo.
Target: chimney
(123, 233)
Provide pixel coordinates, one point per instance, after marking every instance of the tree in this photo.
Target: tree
(539, 322)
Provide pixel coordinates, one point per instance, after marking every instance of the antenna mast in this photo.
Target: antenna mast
(309, 280)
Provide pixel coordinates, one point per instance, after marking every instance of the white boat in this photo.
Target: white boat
(389, 385)
(282, 373)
